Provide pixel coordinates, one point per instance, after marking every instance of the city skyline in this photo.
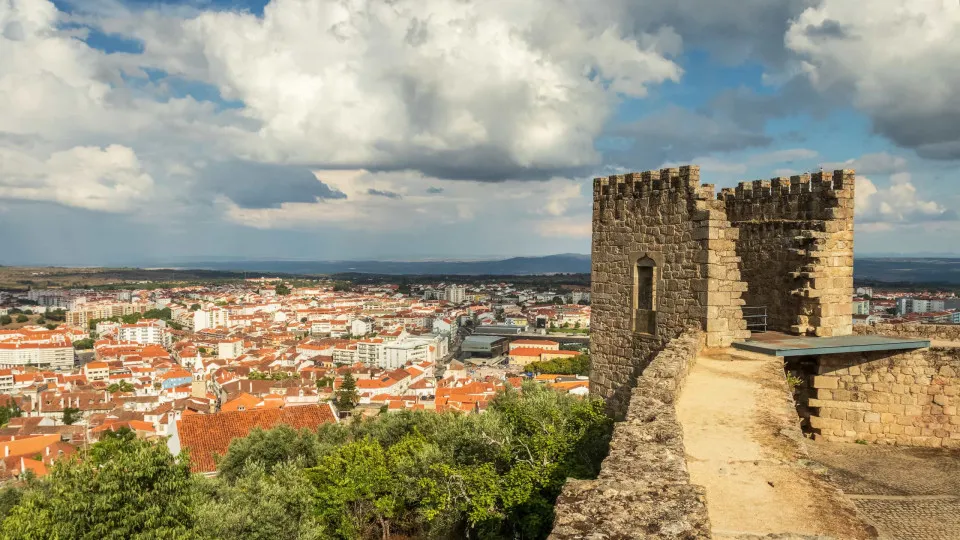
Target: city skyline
(173, 131)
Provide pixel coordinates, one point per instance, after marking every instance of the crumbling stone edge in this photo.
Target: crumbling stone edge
(644, 489)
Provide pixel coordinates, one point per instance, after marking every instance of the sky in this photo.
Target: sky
(156, 132)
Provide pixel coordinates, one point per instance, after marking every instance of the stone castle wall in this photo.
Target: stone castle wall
(796, 249)
(907, 398)
(938, 332)
(665, 216)
(644, 489)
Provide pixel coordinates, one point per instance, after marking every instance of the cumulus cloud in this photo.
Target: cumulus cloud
(897, 63)
(899, 203)
(106, 179)
(477, 90)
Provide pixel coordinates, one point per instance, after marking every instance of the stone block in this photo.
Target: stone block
(826, 382)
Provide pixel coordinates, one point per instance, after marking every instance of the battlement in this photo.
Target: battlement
(684, 180)
(834, 184)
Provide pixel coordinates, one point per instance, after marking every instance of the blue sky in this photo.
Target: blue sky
(151, 132)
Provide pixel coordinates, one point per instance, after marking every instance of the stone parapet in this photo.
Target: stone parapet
(939, 332)
(643, 490)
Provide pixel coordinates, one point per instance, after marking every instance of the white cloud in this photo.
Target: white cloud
(108, 179)
(897, 204)
(896, 60)
(418, 83)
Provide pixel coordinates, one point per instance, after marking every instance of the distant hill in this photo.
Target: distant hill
(568, 263)
(913, 270)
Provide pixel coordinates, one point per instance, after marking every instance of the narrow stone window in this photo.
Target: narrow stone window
(645, 296)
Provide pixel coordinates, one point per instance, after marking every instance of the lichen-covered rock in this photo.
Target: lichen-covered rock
(609, 509)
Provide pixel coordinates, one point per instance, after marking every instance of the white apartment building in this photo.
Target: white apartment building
(397, 354)
(6, 381)
(210, 318)
(861, 306)
(360, 327)
(455, 294)
(918, 305)
(54, 353)
(228, 349)
(145, 332)
(370, 351)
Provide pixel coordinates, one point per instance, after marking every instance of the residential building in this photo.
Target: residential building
(53, 353)
(210, 318)
(861, 306)
(455, 294)
(145, 332)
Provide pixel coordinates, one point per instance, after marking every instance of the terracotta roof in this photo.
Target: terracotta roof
(207, 435)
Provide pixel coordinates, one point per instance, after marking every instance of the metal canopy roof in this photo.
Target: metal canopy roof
(778, 344)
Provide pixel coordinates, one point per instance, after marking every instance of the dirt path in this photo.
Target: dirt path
(744, 447)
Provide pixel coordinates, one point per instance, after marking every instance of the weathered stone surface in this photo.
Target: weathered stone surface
(643, 490)
(666, 218)
(888, 397)
(796, 249)
(609, 509)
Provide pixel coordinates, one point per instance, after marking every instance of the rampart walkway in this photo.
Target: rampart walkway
(744, 446)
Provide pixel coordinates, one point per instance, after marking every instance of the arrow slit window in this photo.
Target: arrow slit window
(645, 275)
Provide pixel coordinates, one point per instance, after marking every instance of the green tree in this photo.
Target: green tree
(576, 365)
(347, 396)
(122, 386)
(282, 289)
(83, 344)
(356, 494)
(269, 448)
(5, 320)
(259, 505)
(8, 411)
(123, 488)
(22, 318)
(194, 307)
(71, 415)
(41, 320)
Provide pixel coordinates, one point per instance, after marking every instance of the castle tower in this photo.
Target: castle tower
(668, 255)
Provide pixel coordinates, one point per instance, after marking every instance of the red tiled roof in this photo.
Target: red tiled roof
(206, 435)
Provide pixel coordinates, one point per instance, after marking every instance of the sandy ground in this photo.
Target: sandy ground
(745, 448)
